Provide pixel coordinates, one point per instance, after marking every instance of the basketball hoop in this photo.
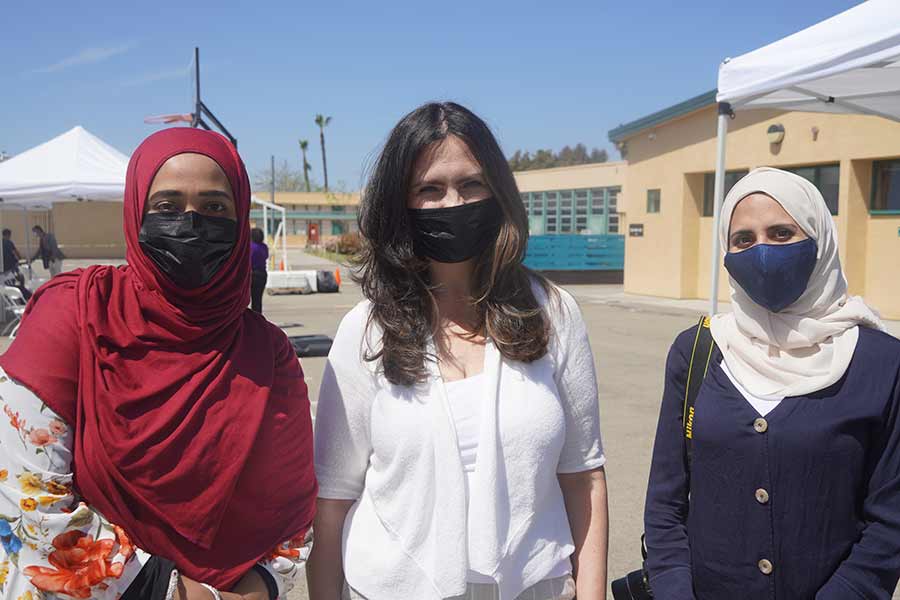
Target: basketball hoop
(167, 119)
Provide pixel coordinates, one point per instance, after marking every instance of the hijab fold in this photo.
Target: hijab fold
(191, 416)
(807, 346)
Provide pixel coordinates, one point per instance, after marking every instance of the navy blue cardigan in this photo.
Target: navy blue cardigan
(802, 504)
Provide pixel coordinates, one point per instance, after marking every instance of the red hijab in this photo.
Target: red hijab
(191, 417)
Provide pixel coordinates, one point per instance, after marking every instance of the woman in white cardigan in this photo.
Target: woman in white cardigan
(458, 442)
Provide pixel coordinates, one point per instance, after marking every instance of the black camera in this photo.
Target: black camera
(634, 586)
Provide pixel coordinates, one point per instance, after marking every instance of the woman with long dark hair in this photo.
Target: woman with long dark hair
(159, 437)
(457, 434)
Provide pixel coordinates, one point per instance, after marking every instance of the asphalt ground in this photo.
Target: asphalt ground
(630, 338)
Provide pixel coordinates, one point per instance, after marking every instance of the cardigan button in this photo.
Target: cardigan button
(760, 425)
(762, 496)
(766, 567)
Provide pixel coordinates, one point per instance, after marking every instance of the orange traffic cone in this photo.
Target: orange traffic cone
(337, 276)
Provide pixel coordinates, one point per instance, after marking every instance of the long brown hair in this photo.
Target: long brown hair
(396, 281)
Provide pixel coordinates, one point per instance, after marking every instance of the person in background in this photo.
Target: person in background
(259, 255)
(793, 486)
(11, 257)
(48, 250)
(458, 428)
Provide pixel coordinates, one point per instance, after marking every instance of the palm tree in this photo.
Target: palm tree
(304, 144)
(322, 122)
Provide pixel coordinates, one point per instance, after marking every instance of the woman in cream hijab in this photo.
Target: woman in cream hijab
(793, 489)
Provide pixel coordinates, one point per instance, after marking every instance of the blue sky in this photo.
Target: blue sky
(542, 74)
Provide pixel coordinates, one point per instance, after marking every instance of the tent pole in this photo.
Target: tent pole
(27, 242)
(725, 113)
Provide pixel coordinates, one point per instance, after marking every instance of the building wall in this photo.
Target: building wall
(607, 174)
(581, 199)
(89, 229)
(673, 258)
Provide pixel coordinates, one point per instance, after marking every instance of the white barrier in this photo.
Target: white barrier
(291, 282)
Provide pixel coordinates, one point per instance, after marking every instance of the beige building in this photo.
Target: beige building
(311, 216)
(854, 160)
(93, 229)
(86, 229)
(582, 199)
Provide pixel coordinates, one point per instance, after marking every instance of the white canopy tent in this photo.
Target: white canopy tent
(76, 165)
(849, 63)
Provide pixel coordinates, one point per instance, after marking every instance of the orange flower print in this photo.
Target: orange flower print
(57, 488)
(80, 564)
(30, 483)
(58, 428)
(289, 549)
(3, 474)
(47, 500)
(28, 504)
(41, 437)
(13, 418)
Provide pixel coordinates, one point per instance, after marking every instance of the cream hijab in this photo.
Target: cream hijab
(807, 346)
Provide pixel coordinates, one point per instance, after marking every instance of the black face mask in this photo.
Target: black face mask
(188, 247)
(457, 233)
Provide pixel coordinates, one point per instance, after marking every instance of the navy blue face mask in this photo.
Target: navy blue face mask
(774, 275)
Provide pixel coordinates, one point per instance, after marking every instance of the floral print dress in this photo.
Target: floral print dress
(53, 545)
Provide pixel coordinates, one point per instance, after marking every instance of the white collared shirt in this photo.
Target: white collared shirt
(394, 449)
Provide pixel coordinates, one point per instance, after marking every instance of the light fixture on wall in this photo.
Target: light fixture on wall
(815, 133)
(775, 133)
(651, 136)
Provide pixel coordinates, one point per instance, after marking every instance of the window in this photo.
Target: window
(565, 207)
(537, 204)
(709, 188)
(613, 200)
(337, 228)
(581, 202)
(597, 205)
(551, 224)
(551, 202)
(613, 225)
(886, 185)
(826, 178)
(653, 201)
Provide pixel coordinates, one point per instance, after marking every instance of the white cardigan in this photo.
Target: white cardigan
(393, 448)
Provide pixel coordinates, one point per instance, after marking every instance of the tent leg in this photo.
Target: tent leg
(725, 113)
(27, 242)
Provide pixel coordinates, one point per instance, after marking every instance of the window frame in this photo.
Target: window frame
(874, 193)
(658, 208)
(711, 176)
(817, 179)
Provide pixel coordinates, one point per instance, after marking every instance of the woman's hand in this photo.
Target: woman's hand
(325, 569)
(585, 497)
(250, 587)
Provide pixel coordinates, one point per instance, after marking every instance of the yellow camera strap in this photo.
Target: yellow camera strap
(704, 345)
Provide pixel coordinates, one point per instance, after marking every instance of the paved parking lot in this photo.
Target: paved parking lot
(630, 339)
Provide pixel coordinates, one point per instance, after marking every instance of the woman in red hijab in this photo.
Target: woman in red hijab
(159, 440)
